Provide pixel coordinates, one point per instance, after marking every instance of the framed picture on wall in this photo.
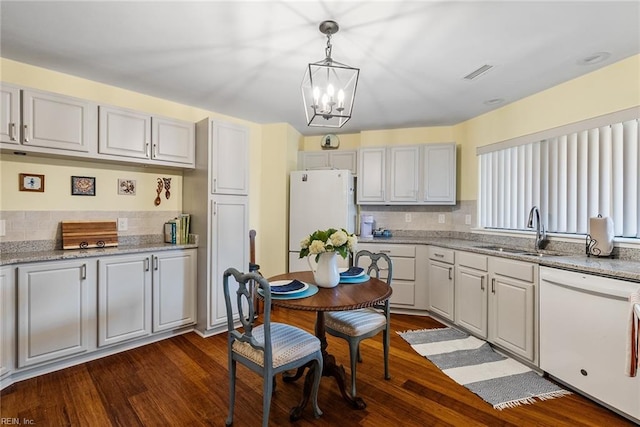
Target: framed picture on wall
(127, 187)
(83, 186)
(31, 182)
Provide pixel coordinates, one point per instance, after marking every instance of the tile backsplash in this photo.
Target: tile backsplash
(24, 226)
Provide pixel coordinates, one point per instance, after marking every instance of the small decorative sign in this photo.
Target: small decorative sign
(127, 187)
(83, 186)
(31, 182)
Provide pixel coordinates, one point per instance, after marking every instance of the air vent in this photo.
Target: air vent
(477, 73)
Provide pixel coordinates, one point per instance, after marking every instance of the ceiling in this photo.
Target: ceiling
(246, 59)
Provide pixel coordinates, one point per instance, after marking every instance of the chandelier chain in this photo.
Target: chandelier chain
(329, 46)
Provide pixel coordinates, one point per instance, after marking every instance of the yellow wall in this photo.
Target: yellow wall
(603, 91)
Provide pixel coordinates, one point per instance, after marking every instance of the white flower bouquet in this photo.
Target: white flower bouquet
(331, 240)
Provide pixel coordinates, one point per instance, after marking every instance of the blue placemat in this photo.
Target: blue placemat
(353, 280)
(312, 290)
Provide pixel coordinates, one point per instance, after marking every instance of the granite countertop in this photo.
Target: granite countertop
(614, 268)
(7, 258)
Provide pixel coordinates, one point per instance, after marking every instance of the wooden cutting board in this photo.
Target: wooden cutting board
(89, 234)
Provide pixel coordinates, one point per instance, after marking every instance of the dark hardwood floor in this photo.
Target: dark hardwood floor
(183, 381)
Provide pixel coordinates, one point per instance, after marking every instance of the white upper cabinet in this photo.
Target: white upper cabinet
(439, 174)
(134, 135)
(336, 159)
(372, 176)
(44, 122)
(229, 159)
(124, 133)
(422, 174)
(403, 173)
(9, 114)
(173, 140)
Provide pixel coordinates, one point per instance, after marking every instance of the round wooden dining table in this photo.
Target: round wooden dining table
(339, 298)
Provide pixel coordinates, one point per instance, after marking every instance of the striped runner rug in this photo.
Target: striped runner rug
(471, 362)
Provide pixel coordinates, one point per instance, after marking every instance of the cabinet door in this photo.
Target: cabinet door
(441, 289)
(511, 315)
(344, 160)
(9, 114)
(439, 174)
(124, 298)
(7, 317)
(403, 174)
(174, 289)
(314, 160)
(173, 141)
(372, 175)
(56, 121)
(124, 132)
(229, 248)
(230, 159)
(471, 300)
(53, 310)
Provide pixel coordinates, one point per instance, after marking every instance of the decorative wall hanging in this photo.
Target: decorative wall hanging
(158, 200)
(167, 187)
(127, 187)
(31, 182)
(83, 186)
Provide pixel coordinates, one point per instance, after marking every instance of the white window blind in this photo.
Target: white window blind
(571, 174)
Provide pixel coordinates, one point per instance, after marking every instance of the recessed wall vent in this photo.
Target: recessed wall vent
(477, 73)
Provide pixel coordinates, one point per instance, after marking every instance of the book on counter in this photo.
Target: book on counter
(176, 231)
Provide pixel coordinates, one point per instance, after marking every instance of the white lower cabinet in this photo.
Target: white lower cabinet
(7, 317)
(512, 306)
(144, 293)
(441, 281)
(56, 305)
(409, 276)
(471, 292)
(174, 289)
(124, 298)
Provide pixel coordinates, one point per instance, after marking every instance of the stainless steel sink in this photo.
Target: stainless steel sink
(502, 249)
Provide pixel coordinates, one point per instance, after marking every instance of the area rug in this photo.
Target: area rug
(471, 362)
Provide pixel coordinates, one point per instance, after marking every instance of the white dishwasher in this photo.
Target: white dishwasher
(583, 336)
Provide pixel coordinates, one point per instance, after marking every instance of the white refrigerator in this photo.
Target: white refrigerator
(318, 200)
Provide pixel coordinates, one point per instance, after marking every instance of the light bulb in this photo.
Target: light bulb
(325, 100)
(340, 98)
(316, 95)
(330, 90)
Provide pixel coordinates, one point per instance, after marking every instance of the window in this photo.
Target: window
(571, 173)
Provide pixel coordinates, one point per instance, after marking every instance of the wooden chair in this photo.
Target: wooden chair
(357, 325)
(269, 348)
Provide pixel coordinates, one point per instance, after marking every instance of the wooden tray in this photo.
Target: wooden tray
(89, 234)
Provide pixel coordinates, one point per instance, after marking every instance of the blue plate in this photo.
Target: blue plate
(352, 280)
(311, 290)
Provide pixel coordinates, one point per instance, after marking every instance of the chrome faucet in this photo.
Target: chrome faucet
(541, 234)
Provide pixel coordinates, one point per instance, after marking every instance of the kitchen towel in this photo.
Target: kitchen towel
(633, 332)
(601, 232)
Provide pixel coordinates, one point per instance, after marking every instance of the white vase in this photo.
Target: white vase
(325, 271)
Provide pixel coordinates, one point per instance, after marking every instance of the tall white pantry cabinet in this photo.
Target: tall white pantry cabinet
(216, 195)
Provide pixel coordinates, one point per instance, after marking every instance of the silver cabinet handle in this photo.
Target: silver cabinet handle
(215, 185)
(439, 255)
(155, 151)
(26, 133)
(386, 251)
(155, 262)
(450, 270)
(83, 272)
(146, 264)
(493, 286)
(215, 208)
(482, 283)
(12, 131)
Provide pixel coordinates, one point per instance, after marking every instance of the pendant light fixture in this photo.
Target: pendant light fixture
(329, 87)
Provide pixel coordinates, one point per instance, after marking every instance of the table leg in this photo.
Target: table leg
(329, 369)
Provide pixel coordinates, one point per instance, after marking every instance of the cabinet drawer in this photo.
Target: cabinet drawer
(514, 269)
(441, 254)
(475, 261)
(403, 293)
(391, 250)
(403, 268)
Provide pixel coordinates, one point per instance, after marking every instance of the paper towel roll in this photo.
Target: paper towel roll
(601, 232)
